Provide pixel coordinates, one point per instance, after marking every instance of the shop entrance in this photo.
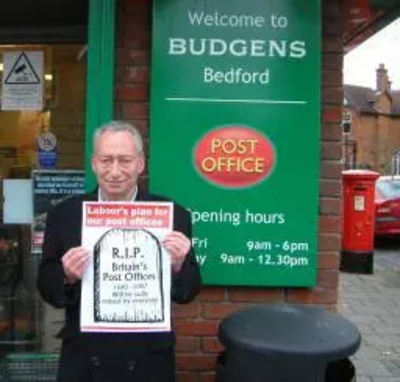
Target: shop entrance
(43, 50)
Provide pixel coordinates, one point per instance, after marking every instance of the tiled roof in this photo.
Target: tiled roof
(396, 102)
(363, 99)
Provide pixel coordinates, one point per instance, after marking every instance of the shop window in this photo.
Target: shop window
(26, 132)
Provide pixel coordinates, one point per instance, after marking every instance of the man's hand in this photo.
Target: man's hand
(75, 262)
(178, 246)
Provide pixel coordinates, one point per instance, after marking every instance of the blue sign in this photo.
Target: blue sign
(47, 150)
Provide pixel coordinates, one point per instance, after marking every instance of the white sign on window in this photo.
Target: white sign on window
(22, 83)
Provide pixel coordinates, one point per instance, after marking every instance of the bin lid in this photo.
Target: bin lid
(290, 329)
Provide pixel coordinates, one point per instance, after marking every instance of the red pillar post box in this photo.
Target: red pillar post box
(358, 221)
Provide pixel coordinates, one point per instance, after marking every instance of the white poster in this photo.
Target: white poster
(22, 83)
(127, 285)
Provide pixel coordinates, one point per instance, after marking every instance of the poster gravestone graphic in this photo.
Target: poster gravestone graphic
(235, 133)
(110, 255)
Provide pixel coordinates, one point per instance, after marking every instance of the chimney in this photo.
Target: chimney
(382, 79)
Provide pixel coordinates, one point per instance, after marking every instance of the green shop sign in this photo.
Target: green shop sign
(235, 133)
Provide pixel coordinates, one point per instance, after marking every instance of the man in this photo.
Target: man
(117, 162)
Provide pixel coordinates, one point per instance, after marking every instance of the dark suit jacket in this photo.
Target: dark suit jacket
(84, 350)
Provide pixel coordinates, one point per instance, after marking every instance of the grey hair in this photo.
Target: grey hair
(117, 126)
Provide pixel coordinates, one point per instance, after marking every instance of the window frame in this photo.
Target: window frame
(100, 70)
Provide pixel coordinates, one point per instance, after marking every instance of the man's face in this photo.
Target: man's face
(117, 164)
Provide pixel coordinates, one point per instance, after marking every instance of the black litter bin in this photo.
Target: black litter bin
(286, 343)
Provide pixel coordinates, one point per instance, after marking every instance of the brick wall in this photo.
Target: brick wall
(377, 137)
(197, 323)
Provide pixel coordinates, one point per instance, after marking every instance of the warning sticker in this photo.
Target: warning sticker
(22, 85)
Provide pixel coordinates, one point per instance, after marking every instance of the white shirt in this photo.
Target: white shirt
(132, 200)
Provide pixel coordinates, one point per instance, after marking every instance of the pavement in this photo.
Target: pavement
(372, 302)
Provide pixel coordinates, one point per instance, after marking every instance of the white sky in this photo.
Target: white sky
(384, 47)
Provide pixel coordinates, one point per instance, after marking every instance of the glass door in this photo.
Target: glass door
(42, 119)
